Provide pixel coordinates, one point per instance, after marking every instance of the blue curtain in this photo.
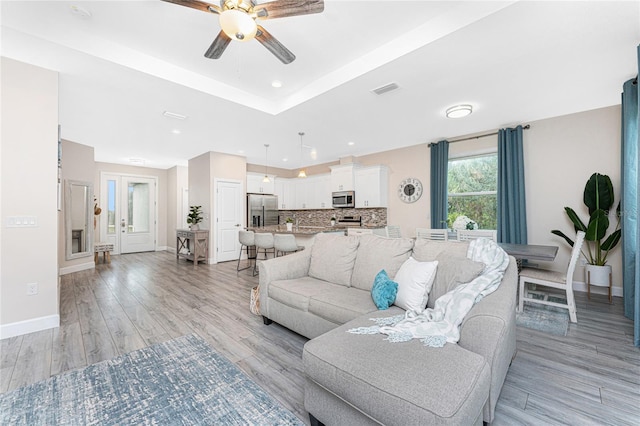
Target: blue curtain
(631, 204)
(512, 208)
(439, 169)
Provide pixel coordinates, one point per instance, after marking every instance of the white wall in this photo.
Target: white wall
(77, 164)
(29, 153)
(177, 183)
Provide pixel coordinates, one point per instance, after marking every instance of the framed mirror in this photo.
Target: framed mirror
(78, 211)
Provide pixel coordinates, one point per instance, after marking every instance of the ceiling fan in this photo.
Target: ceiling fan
(238, 21)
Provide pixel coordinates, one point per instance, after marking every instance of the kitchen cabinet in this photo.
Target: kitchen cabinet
(285, 190)
(302, 193)
(372, 186)
(313, 192)
(322, 192)
(342, 177)
(255, 185)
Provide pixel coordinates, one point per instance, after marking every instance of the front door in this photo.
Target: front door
(229, 217)
(130, 220)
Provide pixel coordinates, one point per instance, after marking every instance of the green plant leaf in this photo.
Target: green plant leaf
(561, 234)
(598, 193)
(577, 222)
(612, 240)
(598, 224)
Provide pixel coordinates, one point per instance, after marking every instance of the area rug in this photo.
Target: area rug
(547, 319)
(179, 382)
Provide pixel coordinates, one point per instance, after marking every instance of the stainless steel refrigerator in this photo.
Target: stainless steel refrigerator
(262, 210)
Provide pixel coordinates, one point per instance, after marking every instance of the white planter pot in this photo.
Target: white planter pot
(597, 275)
(195, 227)
(289, 227)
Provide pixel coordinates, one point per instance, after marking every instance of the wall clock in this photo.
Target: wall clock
(410, 190)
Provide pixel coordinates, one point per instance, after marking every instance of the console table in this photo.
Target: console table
(192, 245)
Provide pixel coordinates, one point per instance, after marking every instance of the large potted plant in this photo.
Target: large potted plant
(598, 197)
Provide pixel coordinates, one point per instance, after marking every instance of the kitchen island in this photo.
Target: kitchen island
(305, 235)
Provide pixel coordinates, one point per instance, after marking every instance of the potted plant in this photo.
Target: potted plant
(333, 221)
(289, 223)
(598, 197)
(194, 217)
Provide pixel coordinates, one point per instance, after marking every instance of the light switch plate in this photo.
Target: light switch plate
(22, 221)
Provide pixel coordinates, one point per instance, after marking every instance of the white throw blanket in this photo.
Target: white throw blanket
(441, 324)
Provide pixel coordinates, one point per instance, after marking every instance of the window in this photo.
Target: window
(472, 190)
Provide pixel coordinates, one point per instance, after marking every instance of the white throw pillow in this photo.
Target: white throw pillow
(414, 282)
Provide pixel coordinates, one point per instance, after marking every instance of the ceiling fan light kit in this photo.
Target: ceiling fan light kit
(459, 111)
(238, 22)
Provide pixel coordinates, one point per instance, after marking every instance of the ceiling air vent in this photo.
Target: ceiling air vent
(386, 88)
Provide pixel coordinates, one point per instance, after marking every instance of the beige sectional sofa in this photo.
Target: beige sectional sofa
(363, 379)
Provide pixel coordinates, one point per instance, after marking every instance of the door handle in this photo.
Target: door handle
(237, 224)
(123, 225)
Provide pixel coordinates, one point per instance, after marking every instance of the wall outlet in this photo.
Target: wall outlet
(32, 289)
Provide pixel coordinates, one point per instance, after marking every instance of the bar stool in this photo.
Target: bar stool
(285, 244)
(264, 242)
(247, 242)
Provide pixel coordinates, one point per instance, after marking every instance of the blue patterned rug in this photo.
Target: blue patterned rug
(179, 382)
(547, 319)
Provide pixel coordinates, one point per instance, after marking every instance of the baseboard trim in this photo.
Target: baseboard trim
(170, 249)
(76, 268)
(164, 248)
(582, 287)
(29, 326)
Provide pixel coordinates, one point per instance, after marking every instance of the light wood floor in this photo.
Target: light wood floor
(591, 376)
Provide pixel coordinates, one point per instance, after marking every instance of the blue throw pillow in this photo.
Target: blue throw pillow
(384, 290)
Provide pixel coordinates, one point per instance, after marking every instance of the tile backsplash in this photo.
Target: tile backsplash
(322, 217)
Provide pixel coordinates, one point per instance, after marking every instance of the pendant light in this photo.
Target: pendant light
(302, 173)
(265, 179)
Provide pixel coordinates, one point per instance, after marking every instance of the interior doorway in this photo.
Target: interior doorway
(229, 201)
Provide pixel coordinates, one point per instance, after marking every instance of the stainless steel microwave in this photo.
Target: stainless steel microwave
(343, 199)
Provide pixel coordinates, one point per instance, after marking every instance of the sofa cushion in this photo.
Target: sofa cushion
(296, 293)
(452, 271)
(332, 258)
(398, 383)
(342, 304)
(427, 250)
(384, 290)
(414, 283)
(376, 253)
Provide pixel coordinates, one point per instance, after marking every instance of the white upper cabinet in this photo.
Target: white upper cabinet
(372, 186)
(323, 191)
(284, 189)
(255, 185)
(313, 192)
(342, 177)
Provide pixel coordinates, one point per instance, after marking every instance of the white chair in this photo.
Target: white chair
(247, 242)
(432, 234)
(393, 231)
(264, 242)
(358, 231)
(285, 244)
(553, 279)
(473, 234)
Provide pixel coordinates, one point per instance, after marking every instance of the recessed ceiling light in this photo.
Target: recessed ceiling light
(276, 83)
(459, 111)
(176, 131)
(285, 159)
(174, 115)
(240, 151)
(351, 143)
(80, 12)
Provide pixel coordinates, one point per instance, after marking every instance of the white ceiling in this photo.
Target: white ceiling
(130, 61)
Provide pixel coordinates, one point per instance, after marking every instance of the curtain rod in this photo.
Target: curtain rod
(526, 127)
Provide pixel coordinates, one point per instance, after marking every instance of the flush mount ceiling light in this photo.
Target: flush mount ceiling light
(302, 173)
(265, 179)
(459, 111)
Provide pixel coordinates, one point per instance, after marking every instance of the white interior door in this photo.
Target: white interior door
(130, 222)
(229, 218)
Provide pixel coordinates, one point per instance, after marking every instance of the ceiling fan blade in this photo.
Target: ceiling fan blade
(196, 4)
(284, 8)
(274, 46)
(217, 47)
